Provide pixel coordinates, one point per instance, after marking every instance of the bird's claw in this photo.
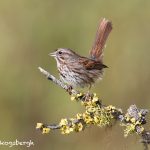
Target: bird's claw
(69, 89)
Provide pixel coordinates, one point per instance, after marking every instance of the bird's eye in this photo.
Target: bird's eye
(60, 52)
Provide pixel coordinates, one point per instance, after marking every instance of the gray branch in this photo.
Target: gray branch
(57, 82)
(133, 112)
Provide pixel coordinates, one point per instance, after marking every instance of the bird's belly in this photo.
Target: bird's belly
(79, 77)
(71, 78)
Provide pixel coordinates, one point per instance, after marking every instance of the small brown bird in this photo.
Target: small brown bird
(79, 71)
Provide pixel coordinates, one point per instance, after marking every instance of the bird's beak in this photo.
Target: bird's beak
(52, 54)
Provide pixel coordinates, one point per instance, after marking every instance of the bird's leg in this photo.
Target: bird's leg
(89, 88)
(69, 89)
(88, 95)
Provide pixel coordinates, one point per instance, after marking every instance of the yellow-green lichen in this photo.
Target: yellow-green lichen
(45, 130)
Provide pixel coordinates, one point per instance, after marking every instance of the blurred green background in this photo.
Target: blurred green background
(30, 29)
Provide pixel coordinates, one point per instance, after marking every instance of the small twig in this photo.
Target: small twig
(57, 82)
(53, 127)
(145, 139)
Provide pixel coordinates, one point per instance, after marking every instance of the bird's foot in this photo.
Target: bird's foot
(87, 96)
(69, 89)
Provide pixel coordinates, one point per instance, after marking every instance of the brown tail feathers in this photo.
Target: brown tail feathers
(104, 28)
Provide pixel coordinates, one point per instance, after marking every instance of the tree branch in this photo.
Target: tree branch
(98, 114)
(57, 82)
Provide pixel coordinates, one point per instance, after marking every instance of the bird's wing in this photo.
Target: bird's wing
(90, 64)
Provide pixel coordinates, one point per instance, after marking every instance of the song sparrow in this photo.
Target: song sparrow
(78, 71)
